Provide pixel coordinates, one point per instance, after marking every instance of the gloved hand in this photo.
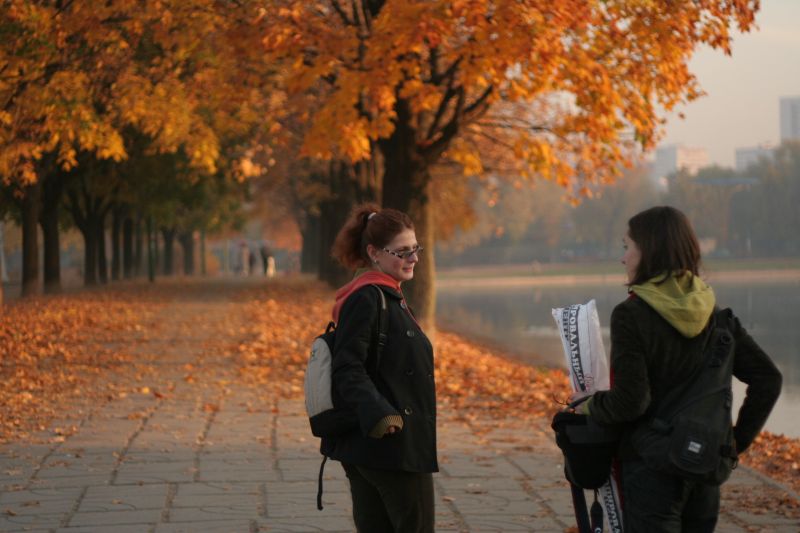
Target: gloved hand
(583, 407)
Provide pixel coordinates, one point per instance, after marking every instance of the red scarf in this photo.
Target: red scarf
(370, 277)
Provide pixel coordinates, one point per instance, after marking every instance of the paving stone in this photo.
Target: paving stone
(508, 502)
(168, 472)
(480, 466)
(124, 498)
(205, 526)
(117, 528)
(116, 518)
(307, 523)
(26, 522)
(300, 504)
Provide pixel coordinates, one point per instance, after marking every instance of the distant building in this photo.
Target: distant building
(750, 155)
(790, 118)
(672, 158)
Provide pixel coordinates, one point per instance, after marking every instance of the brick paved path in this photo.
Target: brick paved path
(213, 457)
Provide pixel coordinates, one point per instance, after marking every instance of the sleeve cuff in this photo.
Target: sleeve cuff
(383, 424)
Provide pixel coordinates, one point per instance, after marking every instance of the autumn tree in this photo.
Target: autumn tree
(413, 75)
(78, 75)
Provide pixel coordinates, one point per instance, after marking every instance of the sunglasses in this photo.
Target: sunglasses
(404, 254)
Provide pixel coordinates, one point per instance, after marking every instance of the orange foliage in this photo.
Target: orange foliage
(76, 75)
(582, 82)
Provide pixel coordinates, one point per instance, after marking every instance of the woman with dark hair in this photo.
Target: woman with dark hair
(389, 459)
(657, 342)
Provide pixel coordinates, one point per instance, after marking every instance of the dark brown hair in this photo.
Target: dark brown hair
(667, 243)
(350, 246)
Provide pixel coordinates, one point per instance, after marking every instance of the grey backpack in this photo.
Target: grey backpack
(325, 419)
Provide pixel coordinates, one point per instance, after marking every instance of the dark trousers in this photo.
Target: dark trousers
(655, 502)
(390, 500)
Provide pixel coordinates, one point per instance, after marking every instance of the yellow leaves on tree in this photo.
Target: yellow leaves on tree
(188, 75)
(595, 74)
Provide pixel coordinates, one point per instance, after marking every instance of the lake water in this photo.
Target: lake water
(518, 320)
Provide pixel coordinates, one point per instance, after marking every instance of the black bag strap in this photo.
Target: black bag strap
(581, 511)
(586, 520)
(319, 482)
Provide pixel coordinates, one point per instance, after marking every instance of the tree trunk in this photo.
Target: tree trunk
(128, 256)
(117, 216)
(102, 260)
(334, 213)
(420, 291)
(52, 189)
(406, 187)
(310, 251)
(89, 233)
(187, 243)
(168, 234)
(138, 253)
(3, 270)
(203, 252)
(84, 214)
(31, 204)
(151, 245)
(349, 185)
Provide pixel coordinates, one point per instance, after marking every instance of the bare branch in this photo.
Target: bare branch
(435, 149)
(479, 106)
(443, 105)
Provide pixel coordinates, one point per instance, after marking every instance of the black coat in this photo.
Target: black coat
(403, 384)
(649, 357)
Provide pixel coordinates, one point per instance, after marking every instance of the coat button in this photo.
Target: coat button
(408, 410)
(410, 333)
(409, 372)
(403, 304)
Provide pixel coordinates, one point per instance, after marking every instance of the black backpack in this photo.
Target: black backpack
(689, 433)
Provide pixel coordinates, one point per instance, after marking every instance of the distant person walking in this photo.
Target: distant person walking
(389, 459)
(266, 254)
(657, 345)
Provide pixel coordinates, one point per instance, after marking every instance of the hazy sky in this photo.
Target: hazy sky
(741, 105)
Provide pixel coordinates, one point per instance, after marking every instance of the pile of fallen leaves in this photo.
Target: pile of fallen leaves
(52, 348)
(475, 380)
(284, 320)
(776, 456)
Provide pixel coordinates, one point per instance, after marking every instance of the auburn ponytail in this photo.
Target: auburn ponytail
(367, 224)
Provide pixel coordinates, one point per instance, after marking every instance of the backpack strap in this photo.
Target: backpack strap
(319, 482)
(383, 325)
(581, 510)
